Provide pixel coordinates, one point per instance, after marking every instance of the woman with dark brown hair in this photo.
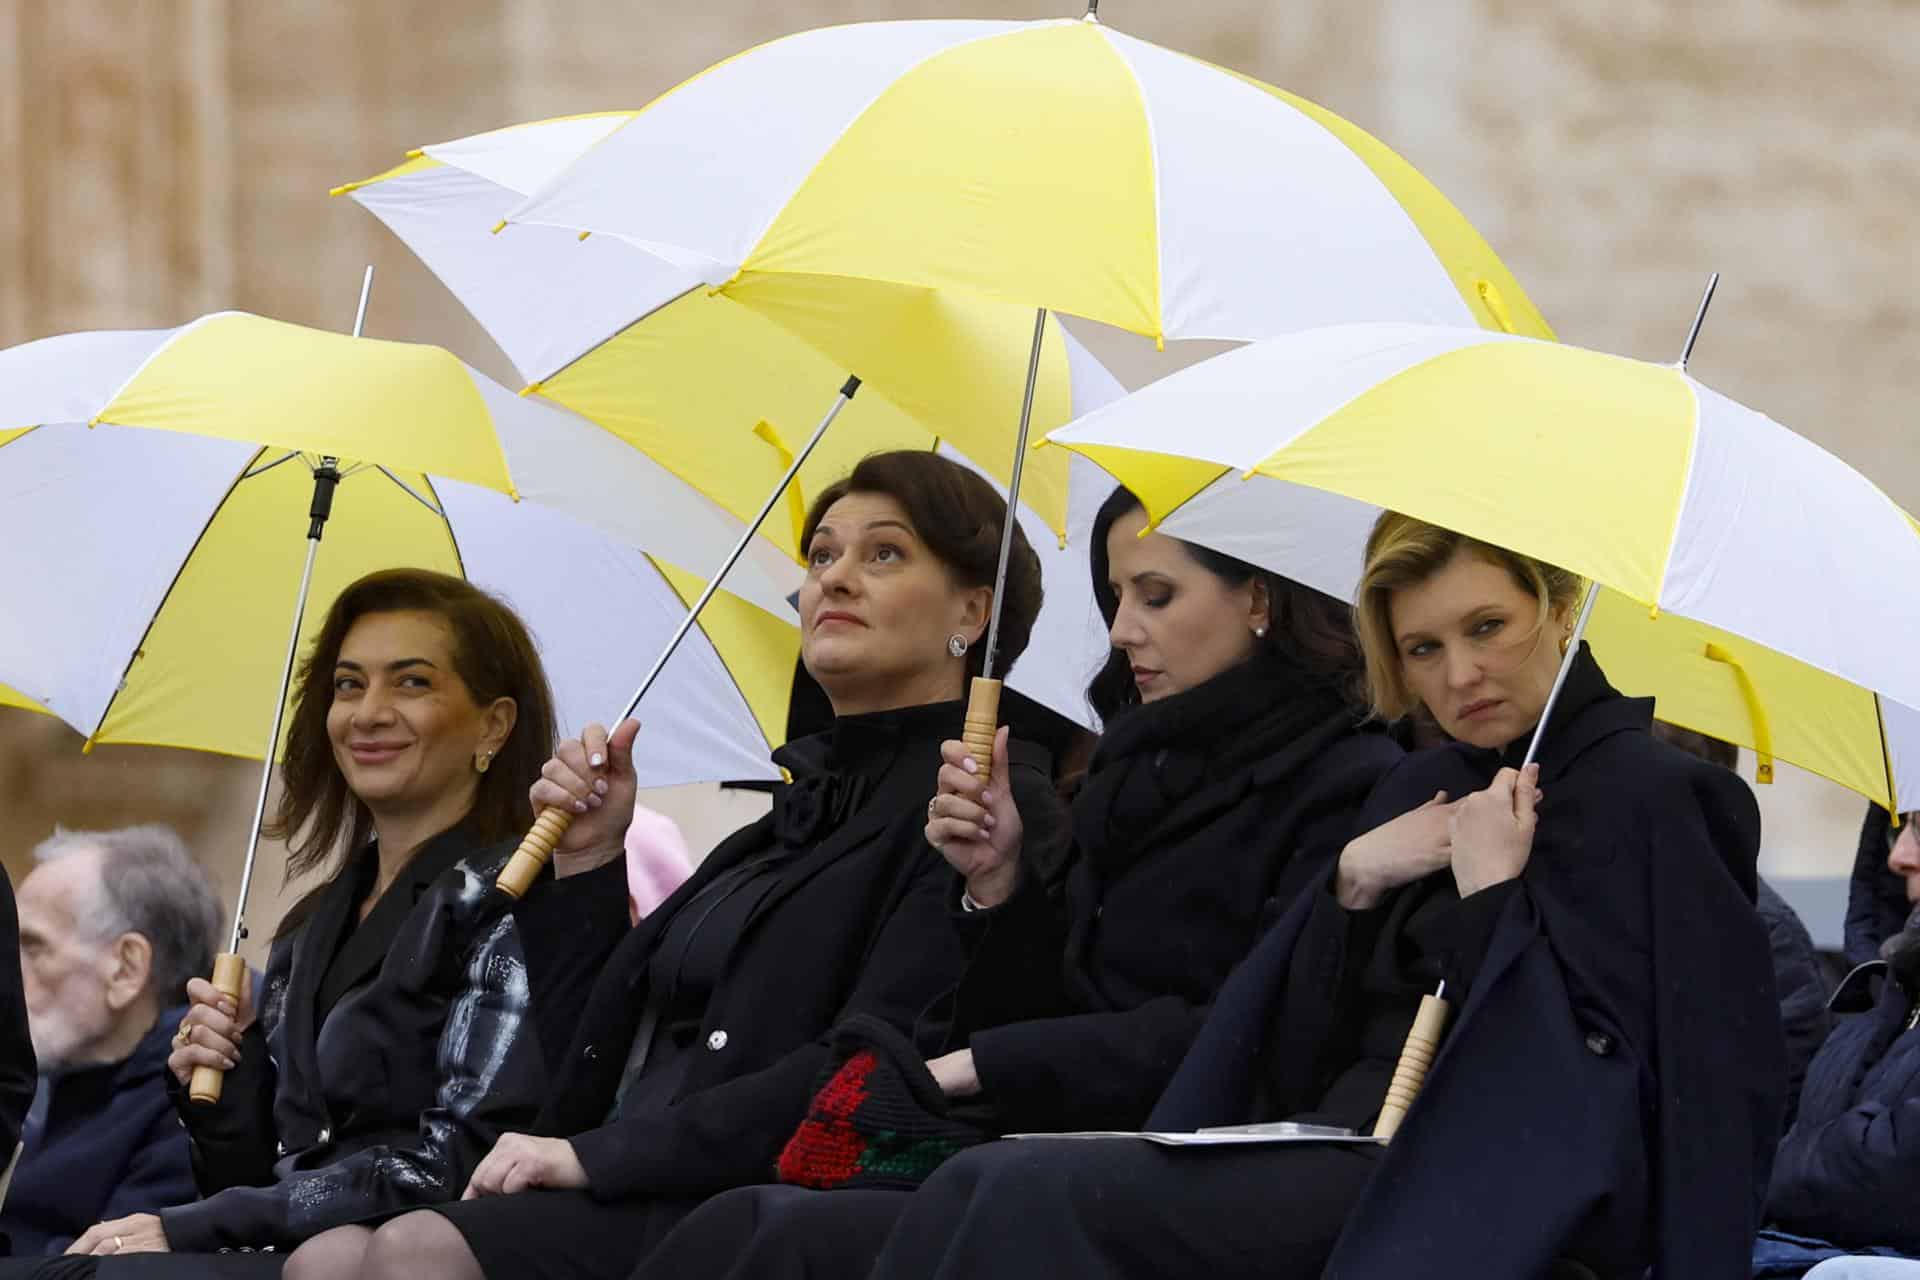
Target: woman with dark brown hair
(702, 1040)
(392, 1042)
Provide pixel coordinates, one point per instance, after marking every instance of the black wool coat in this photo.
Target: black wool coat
(857, 923)
(1616, 1070)
(1079, 1006)
(428, 1051)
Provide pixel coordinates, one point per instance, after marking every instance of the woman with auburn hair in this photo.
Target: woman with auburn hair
(394, 1039)
(700, 1043)
(1608, 1096)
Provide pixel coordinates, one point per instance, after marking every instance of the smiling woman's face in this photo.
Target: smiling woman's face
(404, 727)
(877, 609)
(1468, 643)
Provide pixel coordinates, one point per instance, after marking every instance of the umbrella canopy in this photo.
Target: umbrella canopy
(150, 573)
(1749, 567)
(721, 385)
(1056, 164)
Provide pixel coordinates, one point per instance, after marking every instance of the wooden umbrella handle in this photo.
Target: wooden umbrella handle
(982, 724)
(535, 851)
(229, 977)
(1410, 1073)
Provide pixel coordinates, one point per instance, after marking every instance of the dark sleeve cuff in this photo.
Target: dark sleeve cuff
(1461, 935)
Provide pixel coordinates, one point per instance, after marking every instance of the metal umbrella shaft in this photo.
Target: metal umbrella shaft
(1593, 589)
(537, 848)
(982, 722)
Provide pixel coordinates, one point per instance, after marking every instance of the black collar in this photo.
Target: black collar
(1589, 709)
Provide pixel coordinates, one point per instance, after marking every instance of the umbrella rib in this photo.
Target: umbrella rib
(251, 472)
(140, 645)
(1886, 758)
(411, 492)
(446, 522)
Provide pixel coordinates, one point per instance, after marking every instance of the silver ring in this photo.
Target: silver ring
(930, 805)
(118, 1244)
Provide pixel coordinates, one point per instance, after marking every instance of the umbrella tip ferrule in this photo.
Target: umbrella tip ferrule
(533, 388)
(498, 227)
(342, 189)
(415, 153)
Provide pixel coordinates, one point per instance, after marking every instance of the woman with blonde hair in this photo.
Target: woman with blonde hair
(1608, 1096)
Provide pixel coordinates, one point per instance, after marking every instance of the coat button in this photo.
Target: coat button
(717, 1041)
(326, 1136)
(590, 1053)
(1599, 1043)
(280, 1149)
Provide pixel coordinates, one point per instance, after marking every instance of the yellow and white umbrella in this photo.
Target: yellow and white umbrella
(1057, 164)
(721, 386)
(1747, 570)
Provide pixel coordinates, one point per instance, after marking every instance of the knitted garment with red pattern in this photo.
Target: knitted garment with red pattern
(879, 1120)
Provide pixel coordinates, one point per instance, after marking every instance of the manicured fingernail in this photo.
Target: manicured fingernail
(988, 821)
(229, 1008)
(600, 786)
(232, 1063)
(594, 802)
(596, 760)
(579, 806)
(969, 765)
(986, 797)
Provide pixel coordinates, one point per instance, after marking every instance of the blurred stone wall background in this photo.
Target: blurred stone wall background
(162, 158)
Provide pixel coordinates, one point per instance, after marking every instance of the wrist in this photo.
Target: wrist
(1352, 889)
(988, 889)
(580, 861)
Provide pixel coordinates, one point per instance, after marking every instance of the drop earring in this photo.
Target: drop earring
(482, 761)
(957, 645)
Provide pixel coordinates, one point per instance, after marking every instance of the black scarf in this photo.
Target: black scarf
(836, 772)
(1158, 754)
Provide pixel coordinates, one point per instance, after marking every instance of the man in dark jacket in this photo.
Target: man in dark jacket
(112, 924)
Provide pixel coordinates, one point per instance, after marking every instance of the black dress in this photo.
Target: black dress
(1608, 1091)
(700, 1046)
(1202, 816)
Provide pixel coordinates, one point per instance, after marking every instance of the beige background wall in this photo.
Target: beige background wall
(163, 158)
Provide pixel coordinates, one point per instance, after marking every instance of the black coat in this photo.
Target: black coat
(1617, 1066)
(18, 1077)
(857, 923)
(108, 1144)
(427, 1052)
(1078, 1009)
(1849, 1169)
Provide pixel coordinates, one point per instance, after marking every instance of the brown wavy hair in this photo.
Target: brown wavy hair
(495, 657)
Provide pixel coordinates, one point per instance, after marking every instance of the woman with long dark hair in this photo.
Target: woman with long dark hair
(1231, 770)
(393, 1041)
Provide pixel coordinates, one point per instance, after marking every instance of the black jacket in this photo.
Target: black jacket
(1849, 1169)
(107, 1144)
(1877, 906)
(427, 1052)
(1616, 1068)
(18, 1077)
(1225, 799)
(855, 923)
(1801, 986)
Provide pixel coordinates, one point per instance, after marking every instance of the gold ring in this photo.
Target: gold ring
(182, 1036)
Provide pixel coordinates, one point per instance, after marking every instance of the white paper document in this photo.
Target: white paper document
(1232, 1135)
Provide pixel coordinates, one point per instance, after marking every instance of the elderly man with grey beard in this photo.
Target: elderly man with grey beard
(112, 924)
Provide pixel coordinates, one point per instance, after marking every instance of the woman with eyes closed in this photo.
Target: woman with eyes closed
(1231, 772)
(1610, 1089)
(393, 1040)
(700, 1043)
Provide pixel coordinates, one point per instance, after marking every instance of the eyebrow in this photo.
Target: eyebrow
(396, 665)
(888, 523)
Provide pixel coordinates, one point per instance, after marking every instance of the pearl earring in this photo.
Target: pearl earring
(1260, 632)
(957, 645)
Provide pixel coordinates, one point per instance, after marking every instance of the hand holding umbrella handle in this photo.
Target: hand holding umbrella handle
(1410, 1073)
(535, 851)
(982, 724)
(229, 976)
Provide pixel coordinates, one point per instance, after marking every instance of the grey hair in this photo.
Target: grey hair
(149, 885)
